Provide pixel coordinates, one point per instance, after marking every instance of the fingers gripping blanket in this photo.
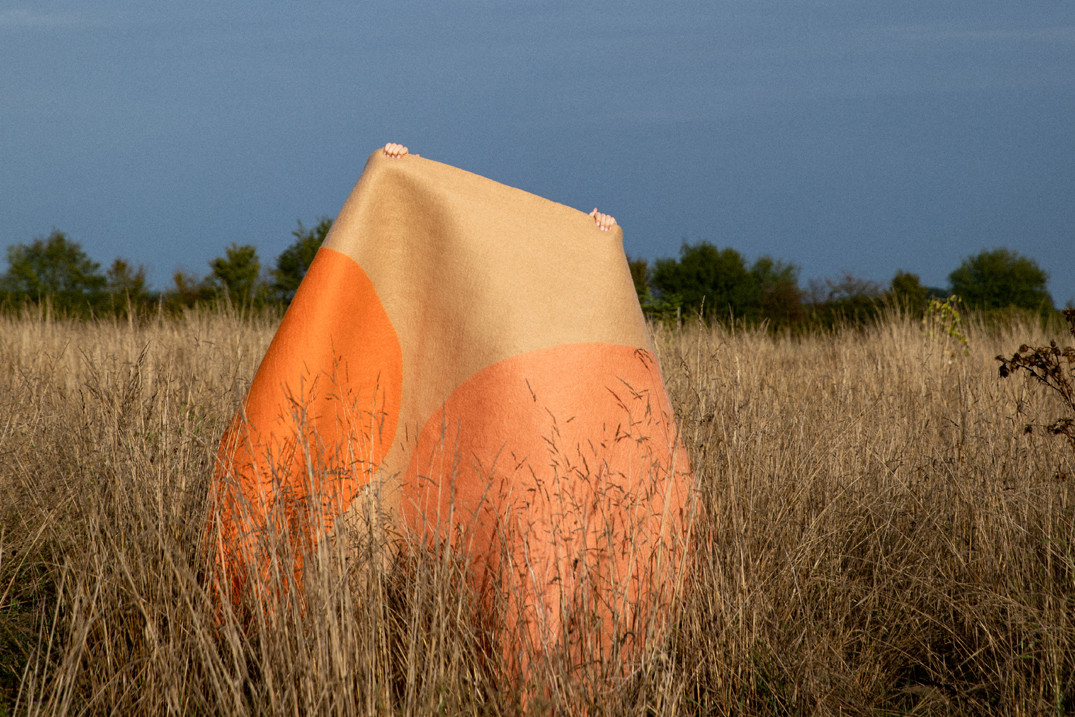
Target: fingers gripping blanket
(475, 357)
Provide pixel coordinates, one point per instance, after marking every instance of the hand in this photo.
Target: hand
(604, 221)
(395, 150)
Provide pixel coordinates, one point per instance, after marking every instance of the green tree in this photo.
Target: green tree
(1001, 278)
(187, 290)
(663, 307)
(907, 292)
(717, 284)
(780, 299)
(293, 262)
(53, 268)
(709, 282)
(126, 284)
(236, 274)
(640, 275)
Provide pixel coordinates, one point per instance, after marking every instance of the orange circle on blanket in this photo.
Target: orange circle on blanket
(322, 409)
(559, 473)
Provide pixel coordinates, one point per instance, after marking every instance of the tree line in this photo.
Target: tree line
(703, 283)
(712, 284)
(55, 269)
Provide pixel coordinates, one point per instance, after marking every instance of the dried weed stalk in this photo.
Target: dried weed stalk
(1053, 366)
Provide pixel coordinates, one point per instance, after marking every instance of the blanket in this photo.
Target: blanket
(474, 357)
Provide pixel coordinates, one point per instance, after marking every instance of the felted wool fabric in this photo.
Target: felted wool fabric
(477, 355)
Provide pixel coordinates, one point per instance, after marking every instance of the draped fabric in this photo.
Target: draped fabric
(475, 357)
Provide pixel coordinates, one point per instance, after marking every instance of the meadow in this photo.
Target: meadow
(877, 533)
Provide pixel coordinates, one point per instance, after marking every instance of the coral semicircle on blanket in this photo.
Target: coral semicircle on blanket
(572, 510)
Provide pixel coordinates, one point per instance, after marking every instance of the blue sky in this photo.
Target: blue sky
(834, 134)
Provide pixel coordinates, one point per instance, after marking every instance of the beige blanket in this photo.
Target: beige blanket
(475, 357)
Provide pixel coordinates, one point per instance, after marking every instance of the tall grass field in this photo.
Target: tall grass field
(877, 533)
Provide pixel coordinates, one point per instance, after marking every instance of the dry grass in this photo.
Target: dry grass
(878, 535)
